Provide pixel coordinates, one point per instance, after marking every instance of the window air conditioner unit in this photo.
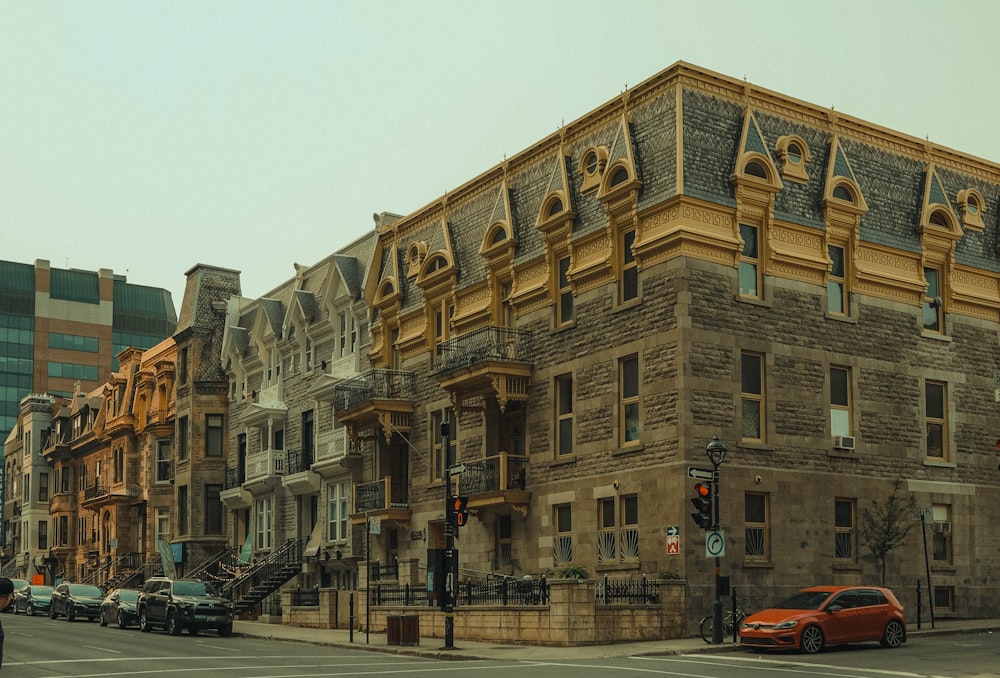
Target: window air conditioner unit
(942, 527)
(843, 442)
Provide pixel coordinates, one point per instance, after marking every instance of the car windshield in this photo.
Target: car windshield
(128, 595)
(85, 590)
(192, 588)
(41, 590)
(803, 600)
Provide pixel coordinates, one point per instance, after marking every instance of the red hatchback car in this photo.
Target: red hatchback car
(827, 615)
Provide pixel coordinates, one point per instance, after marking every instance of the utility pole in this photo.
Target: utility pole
(716, 452)
(449, 544)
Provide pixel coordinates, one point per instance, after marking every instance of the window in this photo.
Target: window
(182, 378)
(840, 401)
(564, 414)
(43, 487)
(308, 436)
(73, 371)
(213, 435)
(348, 335)
(618, 529)
(43, 535)
(213, 509)
(442, 460)
(562, 541)
(944, 598)
(307, 358)
(628, 371)
(942, 549)
(749, 262)
(565, 313)
(504, 545)
(752, 395)
(265, 516)
(73, 342)
(933, 304)
(63, 530)
(118, 463)
(756, 528)
(65, 479)
(629, 284)
(336, 512)
(183, 506)
(162, 523)
(846, 536)
(836, 284)
(162, 461)
(936, 419)
(182, 438)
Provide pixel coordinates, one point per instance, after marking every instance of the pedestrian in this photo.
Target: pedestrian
(6, 595)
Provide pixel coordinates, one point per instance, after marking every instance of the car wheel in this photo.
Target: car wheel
(226, 631)
(30, 610)
(52, 612)
(104, 622)
(70, 613)
(812, 640)
(894, 634)
(172, 626)
(144, 624)
(121, 619)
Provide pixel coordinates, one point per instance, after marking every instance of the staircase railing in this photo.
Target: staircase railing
(211, 568)
(265, 576)
(138, 576)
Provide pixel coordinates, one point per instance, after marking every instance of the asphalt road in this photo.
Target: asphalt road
(38, 647)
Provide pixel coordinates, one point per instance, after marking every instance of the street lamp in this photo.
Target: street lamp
(716, 453)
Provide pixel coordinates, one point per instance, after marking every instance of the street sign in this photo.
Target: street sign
(715, 544)
(671, 530)
(456, 470)
(673, 545)
(700, 473)
(374, 525)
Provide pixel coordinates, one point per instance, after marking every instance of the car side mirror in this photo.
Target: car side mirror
(833, 609)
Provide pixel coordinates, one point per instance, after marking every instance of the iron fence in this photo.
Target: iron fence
(629, 591)
(305, 597)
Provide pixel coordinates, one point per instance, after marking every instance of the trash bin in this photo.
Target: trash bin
(409, 630)
(392, 625)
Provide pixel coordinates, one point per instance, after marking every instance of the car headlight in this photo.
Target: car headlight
(185, 604)
(786, 625)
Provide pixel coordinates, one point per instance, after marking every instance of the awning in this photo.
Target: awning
(315, 542)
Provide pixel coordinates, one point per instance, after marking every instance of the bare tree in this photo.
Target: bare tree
(885, 525)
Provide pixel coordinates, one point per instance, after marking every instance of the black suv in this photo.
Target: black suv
(178, 604)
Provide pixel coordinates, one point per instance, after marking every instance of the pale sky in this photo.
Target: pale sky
(146, 136)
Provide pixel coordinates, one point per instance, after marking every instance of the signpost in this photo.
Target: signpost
(700, 473)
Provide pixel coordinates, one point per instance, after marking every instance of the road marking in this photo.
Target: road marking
(778, 665)
(102, 649)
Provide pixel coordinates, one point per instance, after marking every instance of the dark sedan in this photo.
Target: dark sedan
(76, 600)
(119, 607)
(32, 599)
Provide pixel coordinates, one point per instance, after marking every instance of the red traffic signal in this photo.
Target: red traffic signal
(459, 511)
(702, 502)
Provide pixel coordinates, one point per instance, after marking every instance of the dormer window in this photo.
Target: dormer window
(498, 236)
(938, 219)
(972, 208)
(592, 166)
(793, 154)
(841, 192)
(556, 207)
(755, 169)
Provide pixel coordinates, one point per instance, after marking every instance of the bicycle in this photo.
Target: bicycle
(728, 622)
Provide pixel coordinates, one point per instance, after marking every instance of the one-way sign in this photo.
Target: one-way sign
(700, 473)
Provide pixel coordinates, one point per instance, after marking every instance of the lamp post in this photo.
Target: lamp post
(716, 452)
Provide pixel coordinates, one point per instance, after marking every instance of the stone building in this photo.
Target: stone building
(697, 257)
(291, 467)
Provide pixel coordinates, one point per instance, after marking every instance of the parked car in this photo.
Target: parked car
(120, 606)
(820, 616)
(32, 599)
(76, 600)
(18, 584)
(176, 604)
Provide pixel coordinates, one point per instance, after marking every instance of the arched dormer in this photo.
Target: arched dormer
(620, 179)
(843, 202)
(754, 166)
(937, 218)
(972, 208)
(794, 156)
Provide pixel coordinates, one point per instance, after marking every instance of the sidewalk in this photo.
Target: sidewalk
(467, 649)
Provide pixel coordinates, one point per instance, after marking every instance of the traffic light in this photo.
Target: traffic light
(703, 505)
(459, 511)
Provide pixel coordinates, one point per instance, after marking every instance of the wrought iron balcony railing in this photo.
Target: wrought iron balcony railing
(495, 343)
(501, 472)
(379, 495)
(372, 385)
(299, 461)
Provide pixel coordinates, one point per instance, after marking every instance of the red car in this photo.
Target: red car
(827, 615)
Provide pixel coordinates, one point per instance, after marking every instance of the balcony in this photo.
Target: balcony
(299, 477)
(267, 405)
(381, 499)
(99, 495)
(496, 482)
(264, 469)
(234, 496)
(62, 502)
(491, 361)
(377, 398)
(333, 449)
